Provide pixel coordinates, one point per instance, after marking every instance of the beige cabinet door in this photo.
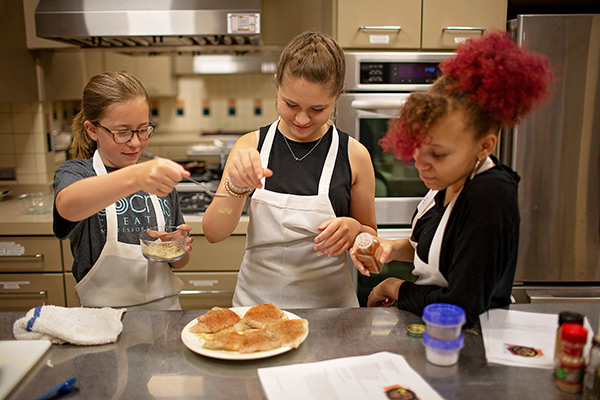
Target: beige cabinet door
(446, 23)
(67, 72)
(379, 24)
(205, 290)
(156, 72)
(222, 256)
(71, 296)
(31, 254)
(22, 292)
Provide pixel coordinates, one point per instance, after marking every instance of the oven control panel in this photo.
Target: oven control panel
(391, 71)
(377, 73)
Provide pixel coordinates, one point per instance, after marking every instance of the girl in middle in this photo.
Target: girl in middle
(312, 189)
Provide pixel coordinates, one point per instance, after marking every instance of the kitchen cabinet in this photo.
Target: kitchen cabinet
(31, 272)
(416, 24)
(67, 72)
(209, 278)
(379, 24)
(155, 72)
(446, 23)
(18, 79)
(384, 24)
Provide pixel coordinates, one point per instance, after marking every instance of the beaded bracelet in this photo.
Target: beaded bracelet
(236, 191)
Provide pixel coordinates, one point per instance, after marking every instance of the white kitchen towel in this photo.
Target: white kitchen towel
(75, 325)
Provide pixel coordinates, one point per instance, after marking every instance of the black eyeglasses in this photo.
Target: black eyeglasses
(124, 135)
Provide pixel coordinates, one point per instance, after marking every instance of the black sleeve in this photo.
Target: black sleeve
(478, 254)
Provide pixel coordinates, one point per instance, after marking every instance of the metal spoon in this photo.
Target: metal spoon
(201, 184)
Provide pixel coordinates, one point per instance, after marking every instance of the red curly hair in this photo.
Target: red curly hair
(491, 79)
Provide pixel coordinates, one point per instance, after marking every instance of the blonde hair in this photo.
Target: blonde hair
(315, 57)
(101, 92)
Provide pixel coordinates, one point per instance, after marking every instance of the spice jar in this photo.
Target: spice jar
(569, 372)
(564, 317)
(368, 252)
(591, 381)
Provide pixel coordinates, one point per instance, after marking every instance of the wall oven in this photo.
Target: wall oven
(376, 85)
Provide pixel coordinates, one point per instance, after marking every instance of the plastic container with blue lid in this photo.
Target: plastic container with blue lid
(442, 352)
(444, 321)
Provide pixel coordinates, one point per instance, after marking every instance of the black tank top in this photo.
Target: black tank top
(302, 177)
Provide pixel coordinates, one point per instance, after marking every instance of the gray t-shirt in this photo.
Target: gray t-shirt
(135, 214)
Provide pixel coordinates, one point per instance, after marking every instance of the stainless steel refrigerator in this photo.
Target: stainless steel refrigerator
(556, 151)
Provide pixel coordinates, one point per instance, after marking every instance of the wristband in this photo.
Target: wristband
(236, 191)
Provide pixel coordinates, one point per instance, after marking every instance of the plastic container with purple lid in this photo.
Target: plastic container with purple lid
(444, 321)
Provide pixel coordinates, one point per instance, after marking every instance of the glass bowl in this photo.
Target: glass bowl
(163, 244)
(37, 203)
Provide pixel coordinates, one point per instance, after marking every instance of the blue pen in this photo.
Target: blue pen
(64, 387)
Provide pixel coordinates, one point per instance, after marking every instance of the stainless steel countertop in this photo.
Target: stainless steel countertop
(149, 360)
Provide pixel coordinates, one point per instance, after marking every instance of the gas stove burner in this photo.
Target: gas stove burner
(193, 202)
(202, 171)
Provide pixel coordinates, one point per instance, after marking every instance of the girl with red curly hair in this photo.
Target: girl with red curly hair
(465, 231)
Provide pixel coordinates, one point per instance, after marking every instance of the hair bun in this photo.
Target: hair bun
(498, 75)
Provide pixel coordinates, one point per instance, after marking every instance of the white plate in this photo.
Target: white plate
(194, 342)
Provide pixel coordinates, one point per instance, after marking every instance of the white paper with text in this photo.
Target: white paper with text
(362, 377)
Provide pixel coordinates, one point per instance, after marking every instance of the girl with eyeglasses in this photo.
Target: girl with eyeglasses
(104, 199)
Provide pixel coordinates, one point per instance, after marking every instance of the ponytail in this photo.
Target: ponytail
(82, 145)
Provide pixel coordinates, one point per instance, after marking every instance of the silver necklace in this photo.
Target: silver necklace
(304, 156)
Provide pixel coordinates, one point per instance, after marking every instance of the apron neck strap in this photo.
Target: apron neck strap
(328, 166)
(111, 210)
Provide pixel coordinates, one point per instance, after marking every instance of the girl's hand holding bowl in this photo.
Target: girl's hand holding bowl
(164, 244)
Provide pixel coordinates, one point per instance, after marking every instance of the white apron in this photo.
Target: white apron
(122, 277)
(280, 265)
(429, 273)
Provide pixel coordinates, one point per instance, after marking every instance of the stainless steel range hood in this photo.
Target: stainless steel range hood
(155, 26)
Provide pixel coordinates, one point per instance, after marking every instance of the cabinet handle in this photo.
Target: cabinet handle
(377, 105)
(464, 28)
(24, 257)
(380, 28)
(188, 292)
(41, 293)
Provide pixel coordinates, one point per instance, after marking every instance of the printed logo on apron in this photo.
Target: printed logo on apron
(122, 276)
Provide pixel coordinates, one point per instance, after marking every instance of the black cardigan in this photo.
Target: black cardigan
(479, 248)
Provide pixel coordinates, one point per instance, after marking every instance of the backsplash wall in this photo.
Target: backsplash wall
(214, 93)
(227, 103)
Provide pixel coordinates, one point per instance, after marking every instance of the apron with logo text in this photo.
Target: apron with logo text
(122, 277)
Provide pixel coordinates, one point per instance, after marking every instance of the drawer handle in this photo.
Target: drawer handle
(41, 293)
(464, 28)
(24, 257)
(561, 299)
(377, 105)
(380, 28)
(190, 292)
